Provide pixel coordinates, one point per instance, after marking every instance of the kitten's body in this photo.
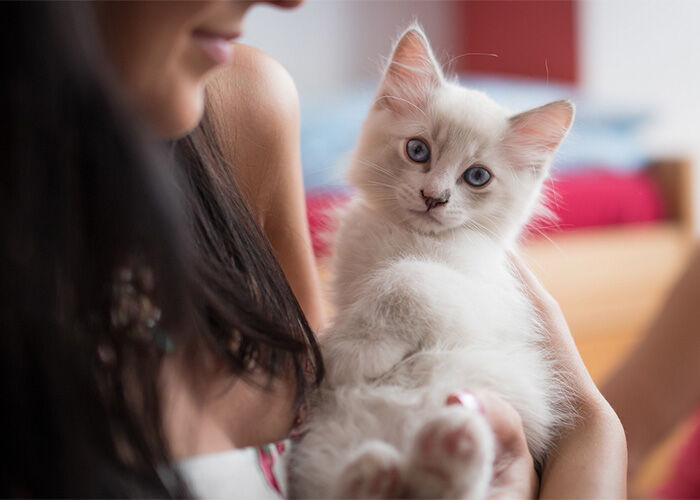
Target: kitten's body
(427, 303)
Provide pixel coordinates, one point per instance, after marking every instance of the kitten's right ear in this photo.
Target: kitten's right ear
(534, 136)
(411, 73)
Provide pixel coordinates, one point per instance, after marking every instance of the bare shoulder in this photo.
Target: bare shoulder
(254, 107)
(256, 90)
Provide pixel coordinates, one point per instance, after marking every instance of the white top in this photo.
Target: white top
(249, 473)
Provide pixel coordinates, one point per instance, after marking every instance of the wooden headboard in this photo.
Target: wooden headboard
(674, 178)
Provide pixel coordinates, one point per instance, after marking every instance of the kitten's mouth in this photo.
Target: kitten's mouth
(426, 215)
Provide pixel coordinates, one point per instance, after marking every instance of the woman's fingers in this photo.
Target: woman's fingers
(590, 461)
(504, 420)
(514, 471)
(558, 336)
(466, 399)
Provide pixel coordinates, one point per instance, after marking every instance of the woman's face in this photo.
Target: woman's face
(163, 50)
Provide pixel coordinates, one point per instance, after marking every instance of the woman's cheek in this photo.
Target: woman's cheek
(257, 416)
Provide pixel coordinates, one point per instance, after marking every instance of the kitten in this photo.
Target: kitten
(427, 302)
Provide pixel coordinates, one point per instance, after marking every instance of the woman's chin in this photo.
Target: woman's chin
(182, 116)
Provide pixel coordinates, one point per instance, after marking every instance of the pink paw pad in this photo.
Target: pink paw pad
(451, 456)
(459, 444)
(375, 473)
(447, 438)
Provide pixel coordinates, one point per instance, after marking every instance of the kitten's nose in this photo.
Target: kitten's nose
(432, 201)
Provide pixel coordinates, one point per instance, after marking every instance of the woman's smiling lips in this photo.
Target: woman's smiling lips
(217, 46)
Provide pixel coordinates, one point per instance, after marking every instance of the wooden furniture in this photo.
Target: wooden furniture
(611, 280)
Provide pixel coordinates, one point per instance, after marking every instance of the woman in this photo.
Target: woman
(144, 316)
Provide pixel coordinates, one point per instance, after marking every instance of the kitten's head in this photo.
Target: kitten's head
(437, 157)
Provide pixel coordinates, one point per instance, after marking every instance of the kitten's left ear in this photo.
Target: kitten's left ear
(411, 73)
(538, 132)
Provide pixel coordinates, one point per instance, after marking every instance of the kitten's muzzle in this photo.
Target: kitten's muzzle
(435, 201)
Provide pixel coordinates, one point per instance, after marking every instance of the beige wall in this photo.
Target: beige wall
(331, 44)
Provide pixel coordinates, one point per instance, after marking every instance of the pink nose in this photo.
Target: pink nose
(434, 201)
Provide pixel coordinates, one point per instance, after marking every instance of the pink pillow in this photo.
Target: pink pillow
(594, 197)
(684, 480)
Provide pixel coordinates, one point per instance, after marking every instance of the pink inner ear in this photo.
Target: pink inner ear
(411, 73)
(412, 60)
(543, 127)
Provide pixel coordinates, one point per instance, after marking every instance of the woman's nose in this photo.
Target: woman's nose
(287, 4)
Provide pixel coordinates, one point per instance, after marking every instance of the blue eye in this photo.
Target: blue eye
(417, 150)
(476, 176)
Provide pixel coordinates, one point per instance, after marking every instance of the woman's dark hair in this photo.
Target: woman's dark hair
(86, 203)
(251, 314)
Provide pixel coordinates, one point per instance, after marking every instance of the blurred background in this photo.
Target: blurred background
(623, 183)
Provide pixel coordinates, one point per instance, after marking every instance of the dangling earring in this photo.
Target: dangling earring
(133, 312)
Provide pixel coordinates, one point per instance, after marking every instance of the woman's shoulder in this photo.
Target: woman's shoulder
(254, 107)
(257, 87)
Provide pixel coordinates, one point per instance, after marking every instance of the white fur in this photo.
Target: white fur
(427, 302)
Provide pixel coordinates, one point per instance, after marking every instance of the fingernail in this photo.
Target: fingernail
(466, 399)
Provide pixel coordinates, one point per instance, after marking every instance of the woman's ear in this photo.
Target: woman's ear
(533, 136)
(411, 73)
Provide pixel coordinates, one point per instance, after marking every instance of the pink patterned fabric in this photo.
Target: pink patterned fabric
(684, 480)
(320, 207)
(266, 461)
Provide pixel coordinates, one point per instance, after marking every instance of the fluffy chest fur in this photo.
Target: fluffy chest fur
(457, 285)
(435, 313)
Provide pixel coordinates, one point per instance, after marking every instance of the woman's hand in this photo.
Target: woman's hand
(514, 469)
(590, 458)
(561, 343)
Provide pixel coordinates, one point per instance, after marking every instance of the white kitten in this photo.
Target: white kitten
(427, 302)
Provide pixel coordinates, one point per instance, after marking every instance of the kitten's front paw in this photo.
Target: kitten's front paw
(375, 472)
(452, 456)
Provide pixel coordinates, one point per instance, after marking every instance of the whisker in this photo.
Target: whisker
(378, 168)
(400, 99)
(448, 64)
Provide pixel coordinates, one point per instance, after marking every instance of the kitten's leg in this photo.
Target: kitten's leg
(452, 456)
(375, 471)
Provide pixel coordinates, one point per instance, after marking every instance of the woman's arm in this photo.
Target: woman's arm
(659, 383)
(255, 108)
(590, 459)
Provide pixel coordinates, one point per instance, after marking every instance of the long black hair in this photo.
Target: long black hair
(251, 314)
(91, 214)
